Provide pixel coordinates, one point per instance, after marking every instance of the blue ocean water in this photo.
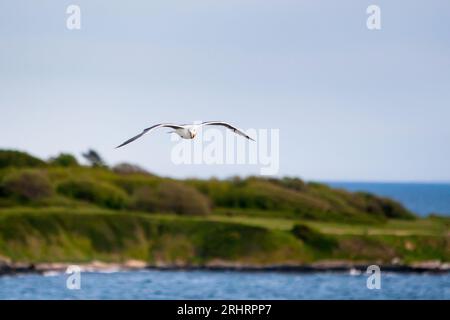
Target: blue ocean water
(151, 284)
(421, 198)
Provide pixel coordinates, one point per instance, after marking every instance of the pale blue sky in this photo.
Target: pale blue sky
(351, 104)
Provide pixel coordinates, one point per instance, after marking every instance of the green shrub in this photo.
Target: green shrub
(99, 193)
(145, 199)
(291, 197)
(10, 158)
(255, 193)
(182, 199)
(393, 209)
(64, 160)
(382, 206)
(314, 238)
(170, 196)
(290, 183)
(128, 168)
(27, 185)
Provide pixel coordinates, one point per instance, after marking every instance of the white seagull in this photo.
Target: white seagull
(186, 131)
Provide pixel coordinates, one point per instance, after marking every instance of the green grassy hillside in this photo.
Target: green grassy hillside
(58, 235)
(58, 210)
(84, 235)
(65, 183)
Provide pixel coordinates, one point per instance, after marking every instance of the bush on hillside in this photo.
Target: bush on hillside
(290, 183)
(382, 206)
(393, 209)
(182, 199)
(145, 199)
(64, 160)
(170, 196)
(99, 193)
(128, 168)
(10, 158)
(254, 193)
(314, 238)
(27, 185)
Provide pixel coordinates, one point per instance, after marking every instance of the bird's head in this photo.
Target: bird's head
(193, 132)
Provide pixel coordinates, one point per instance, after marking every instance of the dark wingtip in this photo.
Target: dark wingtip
(119, 146)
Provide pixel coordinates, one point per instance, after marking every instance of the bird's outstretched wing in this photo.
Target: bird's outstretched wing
(227, 125)
(161, 125)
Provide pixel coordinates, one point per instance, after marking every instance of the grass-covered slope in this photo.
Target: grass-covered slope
(81, 235)
(61, 182)
(58, 210)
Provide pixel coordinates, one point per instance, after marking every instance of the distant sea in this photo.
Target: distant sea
(421, 198)
(153, 284)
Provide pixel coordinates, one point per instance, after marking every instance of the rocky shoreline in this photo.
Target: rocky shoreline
(11, 268)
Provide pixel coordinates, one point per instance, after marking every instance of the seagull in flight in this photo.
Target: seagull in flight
(186, 131)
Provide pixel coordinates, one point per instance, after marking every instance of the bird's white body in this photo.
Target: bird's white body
(188, 132)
